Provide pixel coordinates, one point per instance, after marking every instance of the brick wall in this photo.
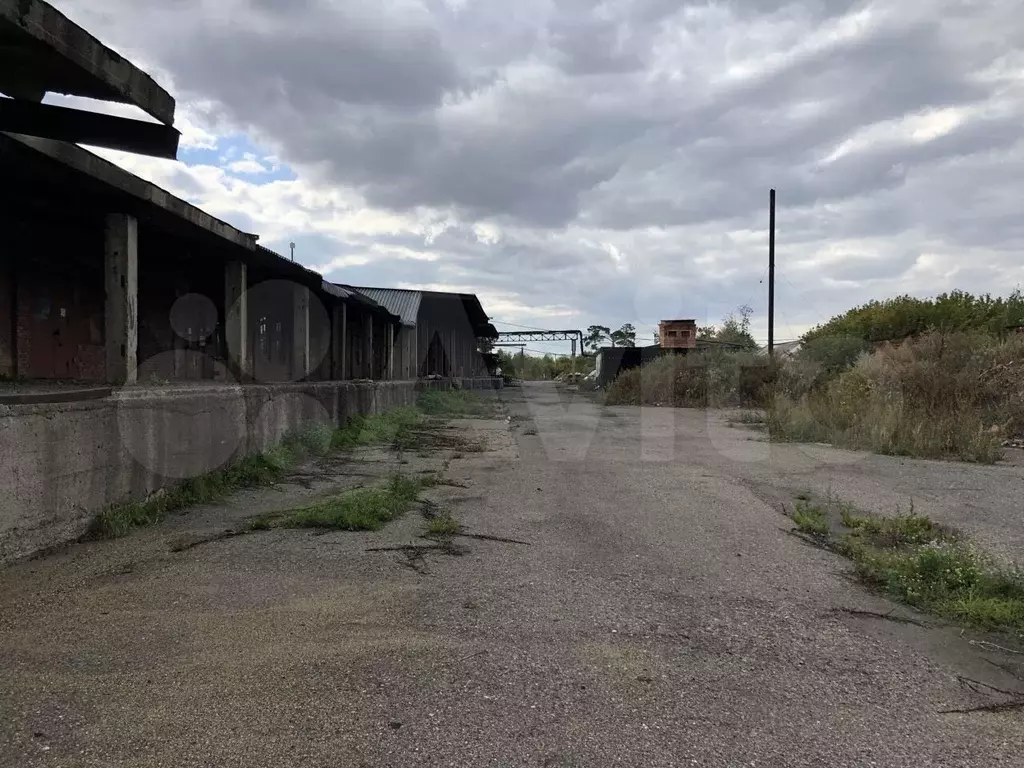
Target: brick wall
(677, 334)
(58, 326)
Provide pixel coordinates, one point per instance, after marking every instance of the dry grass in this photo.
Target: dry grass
(705, 379)
(941, 396)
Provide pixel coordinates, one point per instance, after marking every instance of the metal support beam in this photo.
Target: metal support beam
(540, 335)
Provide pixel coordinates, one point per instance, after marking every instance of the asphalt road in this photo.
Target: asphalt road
(658, 615)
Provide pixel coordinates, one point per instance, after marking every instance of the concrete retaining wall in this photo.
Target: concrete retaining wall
(61, 462)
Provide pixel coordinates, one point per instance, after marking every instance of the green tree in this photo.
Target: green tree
(903, 316)
(596, 336)
(624, 337)
(735, 329)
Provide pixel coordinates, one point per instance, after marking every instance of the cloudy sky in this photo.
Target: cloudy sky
(577, 162)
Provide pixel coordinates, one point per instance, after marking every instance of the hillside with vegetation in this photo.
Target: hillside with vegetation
(937, 378)
(906, 316)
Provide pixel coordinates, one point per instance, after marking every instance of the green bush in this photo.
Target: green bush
(834, 353)
(705, 379)
(903, 316)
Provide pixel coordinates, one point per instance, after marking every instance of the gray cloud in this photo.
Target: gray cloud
(574, 125)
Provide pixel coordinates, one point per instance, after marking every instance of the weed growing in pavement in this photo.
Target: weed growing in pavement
(443, 525)
(120, 519)
(253, 471)
(810, 519)
(398, 427)
(456, 403)
(359, 509)
(918, 562)
(393, 426)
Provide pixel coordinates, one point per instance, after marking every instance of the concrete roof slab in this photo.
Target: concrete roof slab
(41, 50)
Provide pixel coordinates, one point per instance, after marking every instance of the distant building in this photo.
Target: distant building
(442, 333)
(677, 334)
(783, 349)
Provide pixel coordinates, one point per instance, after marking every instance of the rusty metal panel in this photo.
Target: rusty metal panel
(62, 319)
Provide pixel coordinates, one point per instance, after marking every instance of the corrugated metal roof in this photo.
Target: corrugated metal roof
(398, 301)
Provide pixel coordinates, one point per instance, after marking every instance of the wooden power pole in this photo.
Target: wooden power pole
(771, 274)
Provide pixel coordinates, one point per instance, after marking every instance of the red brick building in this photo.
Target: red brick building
(677, 334)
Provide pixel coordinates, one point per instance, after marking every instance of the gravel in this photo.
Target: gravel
(659, 615)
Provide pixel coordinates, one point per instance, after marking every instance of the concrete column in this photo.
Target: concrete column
(121, 314)
(338, 341)
(300, 332)
(368, 340)
(345, 373)
(406, 336)
(236, 324)
(391, 351)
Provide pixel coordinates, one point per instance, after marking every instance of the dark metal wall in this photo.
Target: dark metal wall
(615, 360)
(51, 297)
(271, 336)
(447, 343)
(180, 310)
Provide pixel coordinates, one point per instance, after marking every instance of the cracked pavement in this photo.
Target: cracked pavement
(660, 615)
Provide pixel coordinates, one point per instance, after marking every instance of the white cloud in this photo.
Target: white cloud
(247, 165)
(606, 162)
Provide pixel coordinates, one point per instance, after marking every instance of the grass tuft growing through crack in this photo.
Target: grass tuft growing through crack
(400, 427)
(920, 563)
(389, 427)
(443, 525)
(254, 471)
(359, 509)
(118, 520)
(809, 518)
(914, 560)
(457, 403)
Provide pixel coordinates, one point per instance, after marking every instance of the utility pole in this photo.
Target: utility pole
(771, 274)
(292, 246)
(574, 355)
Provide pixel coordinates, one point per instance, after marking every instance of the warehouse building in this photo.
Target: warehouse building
(442, 334)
